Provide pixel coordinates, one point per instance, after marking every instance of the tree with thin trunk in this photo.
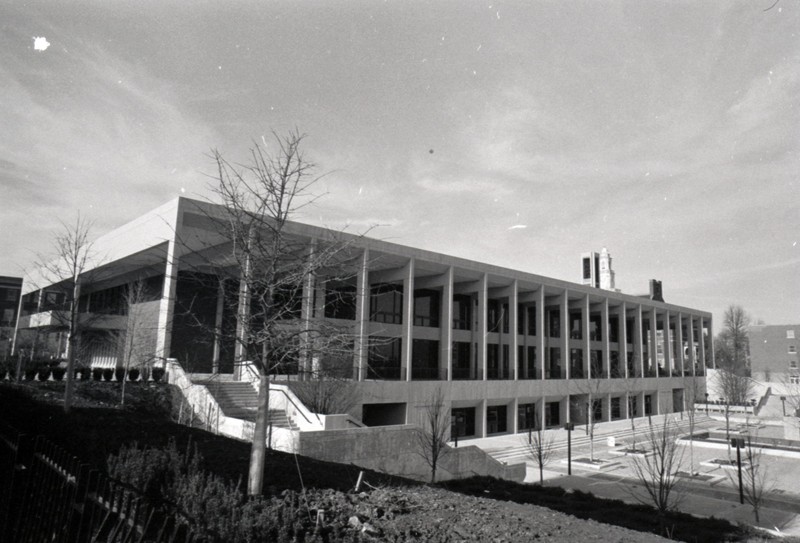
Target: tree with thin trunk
(540, 449)
(691, 391)
(630, 379)
(132, 343)
(274, 268)
(431, 436)
(732, 345)
(736, 389)
(593, 389)
(755, 481)
(328, 389)
(63, 275)
(658, 472)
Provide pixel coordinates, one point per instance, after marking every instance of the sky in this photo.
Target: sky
(515, 133)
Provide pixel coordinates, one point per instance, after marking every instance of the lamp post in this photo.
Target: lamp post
(569, 427)
(706, 403)
(739, 443)
(783, 404)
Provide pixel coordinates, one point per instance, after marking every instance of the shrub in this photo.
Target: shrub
(119, 373)
(108, 374)
(97, 374)
(145, 373)
(133, 374)
(30, 374)
(158, 374)
(83, 373)
(58, 373)
(44, 373)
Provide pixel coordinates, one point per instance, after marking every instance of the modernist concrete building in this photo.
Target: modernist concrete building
(10, 288)
(773, 353)
(511, 350)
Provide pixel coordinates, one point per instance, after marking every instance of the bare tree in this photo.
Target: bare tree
(593, 389)
(432, 435)
(657, 472)
(328, 389)
(540, 449)
(274, 267)
(691, 391)
(134, 347)
(631, 382)
(755, 481)
(732, 346)
(64, 273)
(791, 387)
(736, 389)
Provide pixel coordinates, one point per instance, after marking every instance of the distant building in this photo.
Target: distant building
(773, 352)
(10, 289)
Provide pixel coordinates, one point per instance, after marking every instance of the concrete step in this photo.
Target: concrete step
(240, 400)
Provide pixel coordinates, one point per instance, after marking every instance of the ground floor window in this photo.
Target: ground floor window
(496, 419)
(632, 406)
(552, 414)
(648, 405)
(526, 417)
(616, 409)
(462, 420)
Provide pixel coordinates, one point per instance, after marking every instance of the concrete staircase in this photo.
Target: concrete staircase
(238, 399)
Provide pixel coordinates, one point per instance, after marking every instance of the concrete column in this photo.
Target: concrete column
(483, 296)
(513, 309)
(564, 342)
(218, 326)
(623, 338)
(679, 344)
(446, 326)
(540, 332)
(667, 345)
(587, 346)
(654, 340)
(408, 319)
(690, 329)
(702, 347)
(607, 401)
(638, 347)
(309, 361)
(514, 415)
(362, 317)
(604, 337)
(166, 307)
(480, 419)
(540, 406)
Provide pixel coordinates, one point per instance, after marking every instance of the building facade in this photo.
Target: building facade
(510, 350)
(773, 353)
(10, 289)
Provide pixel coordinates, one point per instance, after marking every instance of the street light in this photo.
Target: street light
(569, 427)
(706, 403)
(783, 404)
(738, 442)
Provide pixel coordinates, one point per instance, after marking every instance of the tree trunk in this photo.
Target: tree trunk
(258, 452)
(73, 343)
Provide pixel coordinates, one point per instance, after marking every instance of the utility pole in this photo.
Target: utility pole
(569, 427)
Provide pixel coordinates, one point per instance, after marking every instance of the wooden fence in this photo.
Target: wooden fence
(49, 495)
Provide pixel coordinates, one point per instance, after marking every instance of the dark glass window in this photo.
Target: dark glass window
(595, 328)
(616, 409)
(552, 414)
(520, 319)
(425, 359)
(426, 308)
(340, 301)
(386, 304)
(384, 358)
(531, 322)
(463, 421)
(496, 419)
(613, 329)
(462, 357)
(526, 417)
(554, 320)
(575, 331)
(462, 311)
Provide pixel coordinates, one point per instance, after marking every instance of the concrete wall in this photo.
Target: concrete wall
(393, 449)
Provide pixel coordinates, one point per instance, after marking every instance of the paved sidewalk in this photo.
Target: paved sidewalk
(717, 497)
